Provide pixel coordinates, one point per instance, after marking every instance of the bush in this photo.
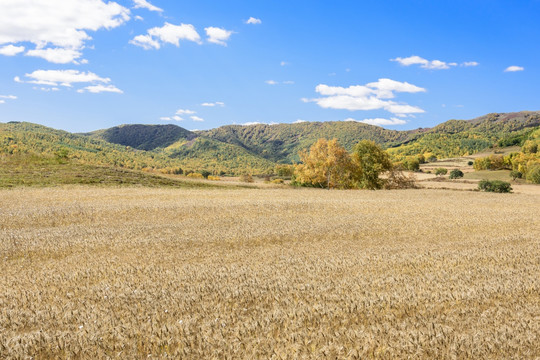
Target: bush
(533, 175)
(432, 158)
(246, 178)
(441, 171)
(470, 163)
(195, 175)
(497, 186)
(277, 181)
(456, 174)
(214, 178)
(515, 175)
(206, 174)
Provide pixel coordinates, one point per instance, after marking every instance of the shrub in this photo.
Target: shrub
(195, 175)
(514, 174)
(214, 178)
(497, 186)
(206, 174)
(277, 181)
(533, 175)
(441, 171)
(411, 163)
(246, 178)
(470, 163)
(432, 158)
(456, 174)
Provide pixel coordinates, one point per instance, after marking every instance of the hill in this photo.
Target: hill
(465, 137)
(282, 142)
(256, 149)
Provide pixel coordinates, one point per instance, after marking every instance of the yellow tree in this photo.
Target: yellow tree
(328, 165)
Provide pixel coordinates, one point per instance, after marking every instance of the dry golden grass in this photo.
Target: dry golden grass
(268, 273)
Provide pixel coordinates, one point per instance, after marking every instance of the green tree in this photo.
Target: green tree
(456, 174)
(371, 161)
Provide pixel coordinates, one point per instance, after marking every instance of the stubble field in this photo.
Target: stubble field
(268, 273)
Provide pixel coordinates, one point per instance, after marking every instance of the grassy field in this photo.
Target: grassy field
(93, 272)
(45, 172)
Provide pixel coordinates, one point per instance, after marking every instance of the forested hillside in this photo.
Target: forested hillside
(256, 149)
(282, 142)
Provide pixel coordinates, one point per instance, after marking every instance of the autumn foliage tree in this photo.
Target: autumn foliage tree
(327, 165)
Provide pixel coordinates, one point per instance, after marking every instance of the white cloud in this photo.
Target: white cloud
(514, 68)
(168, 33)
(2, 101)
(283, 63)
(288, 82)
(62, 77)
(99, 88)
(372, 96)
(56, 55)
(380, 121)
(185, 112)
(143, 4)
(469, 63)
(218, 35)
(212, 104)
(138, 17)
(177, 118)
(252, 123)
(55, 24)
(165, 118)
(300, 121)
(9, 97)
(11, 50)
(196, 118)
(425, 64)
(67, 78)
(253, 21)
(271, 82)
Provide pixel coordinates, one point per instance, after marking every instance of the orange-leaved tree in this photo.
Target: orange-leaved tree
(328, 165)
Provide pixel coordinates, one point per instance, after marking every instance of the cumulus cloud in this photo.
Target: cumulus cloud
(96, 89)
(165, 118)
(380, 121)
(196, 118)
(469, 63)
(514, 68)
(177, 118)
(425, 64)
(56, 25)
(271, 82)
(252, 123)
(372, 96)
(212, 104)
(68, 78)
(143, 4)
(168, 33)
(300, 121)
(185, 112)
(56, 55)
(218, 35)
(253, 21)
(11, 50)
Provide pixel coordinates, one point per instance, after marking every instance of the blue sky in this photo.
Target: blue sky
(83, 65)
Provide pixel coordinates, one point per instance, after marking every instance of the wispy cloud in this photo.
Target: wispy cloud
(424, 63)
(143, 4)
(514, 68)
(213, 104)
(68, 78)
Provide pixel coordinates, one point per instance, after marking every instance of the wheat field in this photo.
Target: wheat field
(137, 273)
